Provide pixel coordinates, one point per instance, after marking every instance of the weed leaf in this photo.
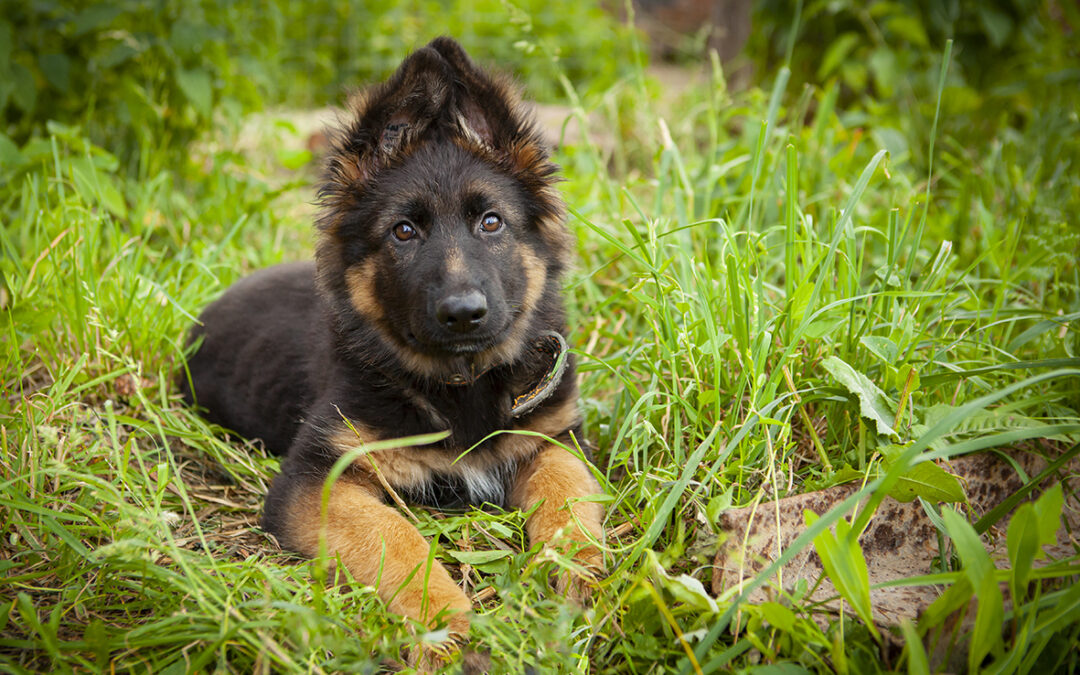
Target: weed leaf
(10, 157)
(197, 88)
(1048, 512)
(979, 569)
(881, 347)
(873, 404)
(1022, 543)
(493, 562)
(929, 481)
(844, 562)
(684, 587)
(778, 615)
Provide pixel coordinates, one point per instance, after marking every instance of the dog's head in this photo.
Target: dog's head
(442, 235)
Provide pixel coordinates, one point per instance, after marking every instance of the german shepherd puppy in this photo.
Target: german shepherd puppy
(433, 305)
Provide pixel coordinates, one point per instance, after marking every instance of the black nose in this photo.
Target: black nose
(462, 313)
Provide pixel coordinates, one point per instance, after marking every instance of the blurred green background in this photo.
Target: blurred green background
(146, 72)
(137, 73)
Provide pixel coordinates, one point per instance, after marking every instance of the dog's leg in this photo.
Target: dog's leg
(374, 541)
(551, 478)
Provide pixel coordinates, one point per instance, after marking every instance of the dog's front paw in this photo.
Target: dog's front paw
(575, 586)
(435, 657)
(576, 582)
(432, 658)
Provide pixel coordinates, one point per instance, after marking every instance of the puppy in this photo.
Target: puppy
(433, 305)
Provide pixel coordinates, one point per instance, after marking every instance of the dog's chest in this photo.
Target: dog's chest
(454, 477)
(466, 483)
(477, 461)
(473, 465)
(470, 413)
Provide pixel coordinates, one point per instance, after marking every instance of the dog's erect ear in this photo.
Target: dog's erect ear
(485, 107)
(436, 88)
(411, 100)
(389, 117)
(488, 112)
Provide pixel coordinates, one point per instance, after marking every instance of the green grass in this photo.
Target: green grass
(739, 256)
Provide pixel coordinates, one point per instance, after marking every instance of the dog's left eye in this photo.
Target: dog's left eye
(404, 231)
(491, 222)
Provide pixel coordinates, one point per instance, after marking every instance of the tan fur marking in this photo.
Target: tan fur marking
(345, 439)
(349, 170)
(526, 156)
(517, 446)
(469, 133)
(535, 278)
(422, 364)
(360, 280)
(455, 263)
(549, 421)
(553, 477)
(552, 421)
(379, 547)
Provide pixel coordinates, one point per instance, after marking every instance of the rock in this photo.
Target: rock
(900, 541)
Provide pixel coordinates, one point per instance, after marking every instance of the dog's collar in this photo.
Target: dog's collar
(551, 349)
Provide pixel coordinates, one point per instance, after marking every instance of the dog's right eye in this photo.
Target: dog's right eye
(404, 231)
(491, 222)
